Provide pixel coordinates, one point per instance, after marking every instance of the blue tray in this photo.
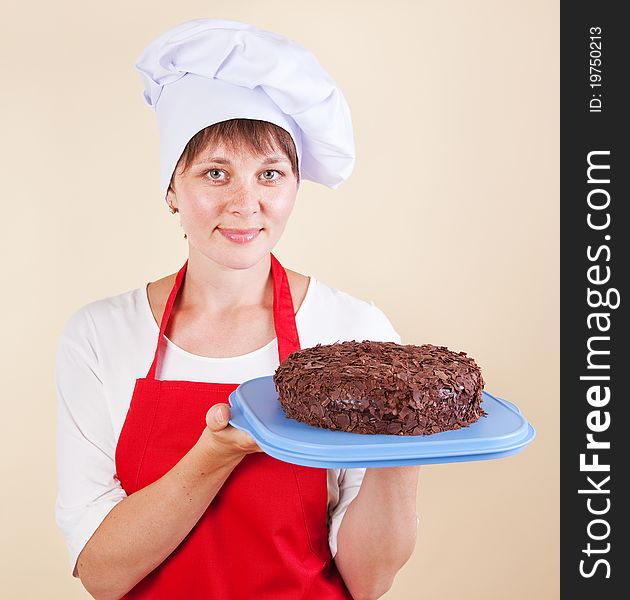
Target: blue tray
(255, 409)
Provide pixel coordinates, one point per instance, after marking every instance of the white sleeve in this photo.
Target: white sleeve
(348, 485)
(381, 328)
(85, 445)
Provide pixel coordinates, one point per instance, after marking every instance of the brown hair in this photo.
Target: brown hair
(239, 135)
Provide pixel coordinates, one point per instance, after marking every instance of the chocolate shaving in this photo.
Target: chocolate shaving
(380, 387)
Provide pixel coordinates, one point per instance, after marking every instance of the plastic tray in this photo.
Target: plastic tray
(256, 410)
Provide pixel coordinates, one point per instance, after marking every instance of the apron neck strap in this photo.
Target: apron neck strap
(283, 313)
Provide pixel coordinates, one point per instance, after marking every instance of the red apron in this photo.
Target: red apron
(264, 535)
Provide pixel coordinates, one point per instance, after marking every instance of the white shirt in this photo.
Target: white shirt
(107, 344)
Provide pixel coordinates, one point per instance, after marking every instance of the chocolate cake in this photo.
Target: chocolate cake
(380, 387)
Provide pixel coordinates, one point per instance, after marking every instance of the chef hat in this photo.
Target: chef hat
(206, 71)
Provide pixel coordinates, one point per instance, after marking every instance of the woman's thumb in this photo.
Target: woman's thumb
(219, 416)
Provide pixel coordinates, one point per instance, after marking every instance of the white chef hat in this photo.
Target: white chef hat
(206, 71)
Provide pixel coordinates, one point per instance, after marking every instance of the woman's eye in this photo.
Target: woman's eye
(268, 175)
(214, 174)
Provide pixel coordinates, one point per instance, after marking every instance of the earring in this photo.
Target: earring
(173, 211)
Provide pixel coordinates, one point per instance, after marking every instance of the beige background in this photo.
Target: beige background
(449, 223)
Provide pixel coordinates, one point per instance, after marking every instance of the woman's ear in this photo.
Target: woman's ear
(171, 197)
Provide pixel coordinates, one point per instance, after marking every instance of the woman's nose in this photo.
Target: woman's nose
(244, 200)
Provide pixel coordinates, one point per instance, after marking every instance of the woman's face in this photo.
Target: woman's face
(223, 192)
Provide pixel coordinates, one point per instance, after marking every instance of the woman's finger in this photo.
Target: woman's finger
(218, 416)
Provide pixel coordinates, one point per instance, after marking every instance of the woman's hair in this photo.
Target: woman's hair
(239, 135)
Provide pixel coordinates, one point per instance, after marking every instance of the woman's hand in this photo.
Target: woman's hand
(224, 438)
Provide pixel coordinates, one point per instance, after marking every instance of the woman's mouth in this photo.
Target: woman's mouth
(240, 236)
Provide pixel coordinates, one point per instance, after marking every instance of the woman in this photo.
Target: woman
(159, 497)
